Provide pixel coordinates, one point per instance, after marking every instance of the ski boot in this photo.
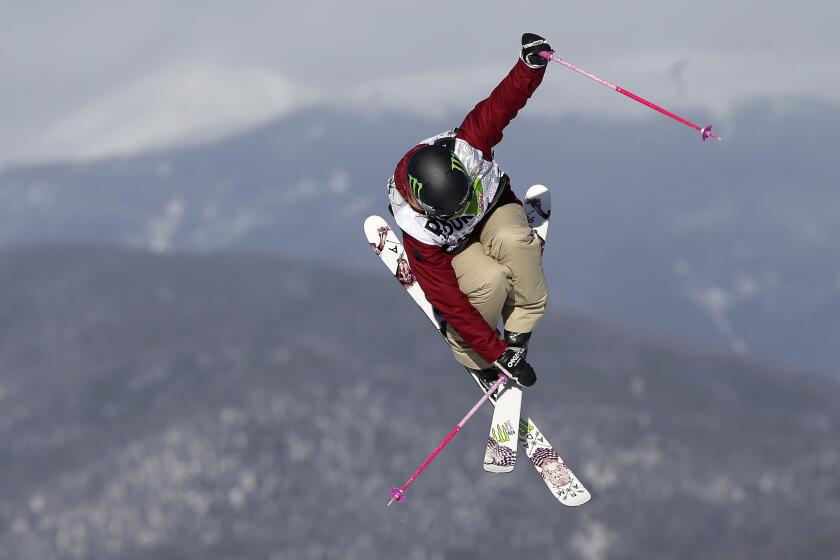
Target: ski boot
(488, 376)
(518, 340)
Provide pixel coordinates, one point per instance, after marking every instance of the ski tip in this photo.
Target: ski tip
(535, 191)
(373, 220)
(498, 469)
(579, 500)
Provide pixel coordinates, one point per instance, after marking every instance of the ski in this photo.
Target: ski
(500, 453)
(558, 477)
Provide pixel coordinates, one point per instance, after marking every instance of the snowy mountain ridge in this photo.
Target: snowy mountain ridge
(732, 243)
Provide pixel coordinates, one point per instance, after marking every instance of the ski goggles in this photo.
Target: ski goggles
(462, 208)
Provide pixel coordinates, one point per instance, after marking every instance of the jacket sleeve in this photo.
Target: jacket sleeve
(482, 127)
(433, 270)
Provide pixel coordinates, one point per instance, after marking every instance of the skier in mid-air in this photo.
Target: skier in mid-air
(466, 235)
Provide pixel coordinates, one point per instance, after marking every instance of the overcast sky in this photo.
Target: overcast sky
(95, 78)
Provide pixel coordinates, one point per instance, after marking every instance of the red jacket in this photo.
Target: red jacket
(482, 128)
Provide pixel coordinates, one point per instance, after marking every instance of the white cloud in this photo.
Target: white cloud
(184, 102)
(433, 92)
(169, 78)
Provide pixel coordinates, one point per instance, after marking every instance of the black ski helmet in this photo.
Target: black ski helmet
(438, 180)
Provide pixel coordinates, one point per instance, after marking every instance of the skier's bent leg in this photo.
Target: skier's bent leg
(508, 239)
(486, 283)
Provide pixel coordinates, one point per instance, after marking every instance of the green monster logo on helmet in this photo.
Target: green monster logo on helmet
(456, 164)
(416, 186)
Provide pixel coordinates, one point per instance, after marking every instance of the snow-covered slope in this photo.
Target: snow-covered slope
(222, 406)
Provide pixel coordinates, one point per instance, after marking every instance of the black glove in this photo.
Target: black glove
(531, 45)
(513, 364)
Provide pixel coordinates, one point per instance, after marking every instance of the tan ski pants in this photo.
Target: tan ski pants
(501, 274)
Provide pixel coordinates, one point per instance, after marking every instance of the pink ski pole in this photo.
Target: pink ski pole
(398, 494)
(705, 132)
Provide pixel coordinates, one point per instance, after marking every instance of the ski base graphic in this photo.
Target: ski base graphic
(500, 454)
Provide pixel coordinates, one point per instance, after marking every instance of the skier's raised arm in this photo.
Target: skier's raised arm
(483, 126)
